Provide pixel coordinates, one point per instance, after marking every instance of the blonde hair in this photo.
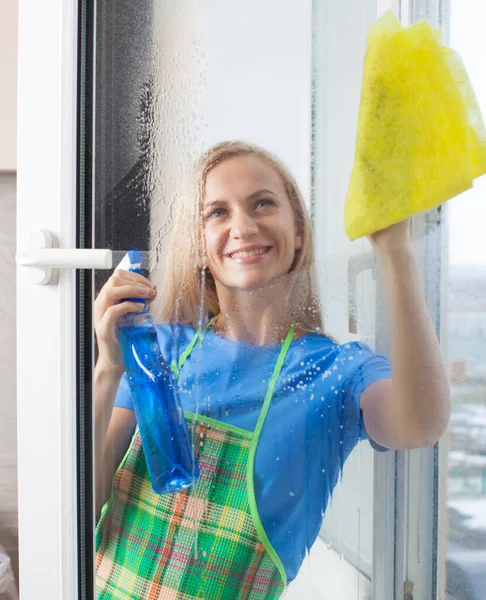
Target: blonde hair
(189, 291)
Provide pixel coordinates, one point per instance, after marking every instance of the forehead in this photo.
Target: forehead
(241, 176)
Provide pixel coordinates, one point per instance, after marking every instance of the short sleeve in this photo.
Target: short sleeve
(367, 367)
(166, 336)
(123, 398)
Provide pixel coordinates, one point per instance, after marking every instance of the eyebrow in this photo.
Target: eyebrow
(250, 197)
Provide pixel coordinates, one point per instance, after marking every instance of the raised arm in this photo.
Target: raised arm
(412, 410)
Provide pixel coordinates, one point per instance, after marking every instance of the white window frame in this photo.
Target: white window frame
(46, 198)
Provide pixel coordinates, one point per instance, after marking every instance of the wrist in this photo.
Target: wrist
(106, 382)
(400, 253)
(105, 368)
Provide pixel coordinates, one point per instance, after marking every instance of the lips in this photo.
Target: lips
(248, 252)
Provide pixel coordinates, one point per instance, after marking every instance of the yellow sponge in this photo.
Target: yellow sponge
(421, 139)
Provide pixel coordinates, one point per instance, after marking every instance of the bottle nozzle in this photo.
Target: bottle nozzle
(132, 261)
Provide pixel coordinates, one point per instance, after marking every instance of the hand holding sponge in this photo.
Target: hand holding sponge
(421, 139)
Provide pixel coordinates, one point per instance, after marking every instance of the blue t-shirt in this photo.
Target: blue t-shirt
(313, 423)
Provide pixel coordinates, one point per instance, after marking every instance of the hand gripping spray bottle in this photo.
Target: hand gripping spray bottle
(163, 429)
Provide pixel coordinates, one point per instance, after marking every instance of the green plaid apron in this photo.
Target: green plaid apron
(145, 542)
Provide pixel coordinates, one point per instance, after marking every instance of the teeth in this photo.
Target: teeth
(250, 253)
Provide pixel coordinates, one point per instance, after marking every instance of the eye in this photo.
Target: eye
(265, 202)
(215, 213)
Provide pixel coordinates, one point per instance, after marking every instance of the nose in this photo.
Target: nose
(243, 226)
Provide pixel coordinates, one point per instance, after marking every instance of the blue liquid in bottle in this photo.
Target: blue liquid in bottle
(163, 429)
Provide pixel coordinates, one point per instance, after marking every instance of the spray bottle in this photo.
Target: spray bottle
(163, 429)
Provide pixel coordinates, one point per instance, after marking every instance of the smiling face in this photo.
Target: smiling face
(249, 225)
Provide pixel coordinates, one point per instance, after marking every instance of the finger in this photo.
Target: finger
(130, 291)
(118, 310)
(106, 326)
(123, 276)
(112, 293)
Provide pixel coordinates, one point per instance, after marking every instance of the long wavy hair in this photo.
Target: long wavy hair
(189, 291)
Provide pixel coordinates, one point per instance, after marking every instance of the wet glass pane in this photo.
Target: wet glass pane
(466, 501)
(216, 138)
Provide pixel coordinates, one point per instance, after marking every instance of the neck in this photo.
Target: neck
(258, 317)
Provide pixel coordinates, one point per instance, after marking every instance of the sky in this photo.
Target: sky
(467, 212)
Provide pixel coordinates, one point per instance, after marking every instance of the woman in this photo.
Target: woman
(279, 404)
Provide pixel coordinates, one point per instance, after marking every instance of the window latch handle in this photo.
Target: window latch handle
(43, 259)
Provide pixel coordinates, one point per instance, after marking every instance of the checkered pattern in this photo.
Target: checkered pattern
(145, 541)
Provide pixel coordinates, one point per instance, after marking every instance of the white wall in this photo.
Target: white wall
(8, 165)
(257, 75)
(8, 85)
(224, 74)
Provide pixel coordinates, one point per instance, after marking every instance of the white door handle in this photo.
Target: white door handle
(43, 259)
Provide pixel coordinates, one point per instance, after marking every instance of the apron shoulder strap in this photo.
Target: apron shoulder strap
(176, 368)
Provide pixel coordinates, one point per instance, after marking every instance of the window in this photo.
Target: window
(180, 80)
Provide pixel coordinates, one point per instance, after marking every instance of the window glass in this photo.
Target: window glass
(466, 500)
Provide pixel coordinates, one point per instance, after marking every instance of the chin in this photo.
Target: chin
(255, 284)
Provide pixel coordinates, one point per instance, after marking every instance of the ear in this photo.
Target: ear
(298, 242)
